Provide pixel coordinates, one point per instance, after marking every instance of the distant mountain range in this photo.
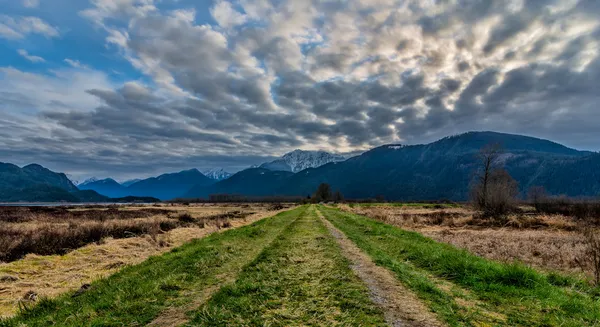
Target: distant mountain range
(180, 184)
(439, 170)
(164, 187)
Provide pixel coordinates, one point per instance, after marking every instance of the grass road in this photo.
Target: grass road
(319, 266)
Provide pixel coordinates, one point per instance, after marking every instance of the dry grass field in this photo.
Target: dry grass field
(548, 242)
(46, 251)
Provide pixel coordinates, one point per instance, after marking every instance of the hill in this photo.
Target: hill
(34, 183)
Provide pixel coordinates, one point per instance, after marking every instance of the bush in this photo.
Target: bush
(581, 209)
(186, 218)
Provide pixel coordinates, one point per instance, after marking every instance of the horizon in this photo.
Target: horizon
(137, 88)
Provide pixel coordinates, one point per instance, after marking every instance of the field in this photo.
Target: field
(547, 242)
(48, 251)
(311, 265)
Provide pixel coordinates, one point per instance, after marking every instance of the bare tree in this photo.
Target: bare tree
(494, 190)
(488, 158)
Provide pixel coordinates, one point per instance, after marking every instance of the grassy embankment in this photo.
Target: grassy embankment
(466, 290)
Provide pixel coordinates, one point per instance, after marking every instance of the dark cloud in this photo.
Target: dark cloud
(338, 75)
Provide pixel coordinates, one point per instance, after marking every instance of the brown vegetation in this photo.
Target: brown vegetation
(51, 275)
(550, 242)
(50, 230)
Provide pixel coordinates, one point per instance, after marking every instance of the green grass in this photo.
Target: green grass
(302, 279)
(137, 294)
(410, 205)
(519, 295)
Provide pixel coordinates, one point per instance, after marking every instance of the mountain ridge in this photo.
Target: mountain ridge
(441, 170)
(438, 170)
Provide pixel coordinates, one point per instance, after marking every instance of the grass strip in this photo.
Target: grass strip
(523, 296)
(137, 294)
(302, 279)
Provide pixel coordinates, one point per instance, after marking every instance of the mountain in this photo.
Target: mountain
(439, 170)
(130, 182)
(34, 183)
(444, 169)
(252, 181)
(107, 187)
(217, 174)
(169, 186)
(299, 160)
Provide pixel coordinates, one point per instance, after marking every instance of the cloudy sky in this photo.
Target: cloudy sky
(128, 88)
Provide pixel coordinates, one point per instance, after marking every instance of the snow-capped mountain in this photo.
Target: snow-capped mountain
(217, 174)
(88, 181)
(298, 160)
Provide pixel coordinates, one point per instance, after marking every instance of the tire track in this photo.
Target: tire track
(177, 315)
(401, 307)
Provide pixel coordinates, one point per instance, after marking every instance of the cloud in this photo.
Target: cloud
(226, 16)
(271, 76)
(13, 28)
(26, 55)
(31, 3)
(75, 63)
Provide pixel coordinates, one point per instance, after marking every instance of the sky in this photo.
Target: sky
(133, 88)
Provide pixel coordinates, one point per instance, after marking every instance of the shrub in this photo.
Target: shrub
(186, 218)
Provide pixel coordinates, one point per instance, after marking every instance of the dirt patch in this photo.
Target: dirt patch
(401, 307)
(50, 276)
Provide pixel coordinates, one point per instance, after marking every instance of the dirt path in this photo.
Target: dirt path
(401, 307)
